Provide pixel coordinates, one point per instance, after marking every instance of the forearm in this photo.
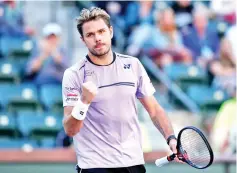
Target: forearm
(57, 58)
(162, 123)
(37, 63)
(74, 116)
(71, 125)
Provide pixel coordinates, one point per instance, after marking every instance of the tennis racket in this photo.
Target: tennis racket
(192, 148)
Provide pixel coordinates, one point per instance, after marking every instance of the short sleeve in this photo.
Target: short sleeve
(145, 87)
(70, 89)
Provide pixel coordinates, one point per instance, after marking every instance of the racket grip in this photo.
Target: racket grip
(165, 160)
(162, 161)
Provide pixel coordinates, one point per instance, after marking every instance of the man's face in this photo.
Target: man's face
(53, 39)
(167, 20)
(97, 37)
(200, 22)
(184, 3)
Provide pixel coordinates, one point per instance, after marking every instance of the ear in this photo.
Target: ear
(82, 39)
(111, 32)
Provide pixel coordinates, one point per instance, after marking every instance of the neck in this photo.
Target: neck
(201, 32)
(102, 60)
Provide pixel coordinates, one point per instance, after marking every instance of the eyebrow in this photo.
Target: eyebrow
(95, 31)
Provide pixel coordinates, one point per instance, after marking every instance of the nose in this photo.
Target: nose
(97, 37)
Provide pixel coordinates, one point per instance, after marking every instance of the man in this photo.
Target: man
(12, 26)
(201, 39)
(225, 124)
(99, 102)
(161, 41)
(12, 19)
(48, 60)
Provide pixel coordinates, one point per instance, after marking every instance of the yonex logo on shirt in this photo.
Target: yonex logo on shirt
(127, 66)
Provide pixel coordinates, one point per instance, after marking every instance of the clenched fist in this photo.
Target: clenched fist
(89, 91)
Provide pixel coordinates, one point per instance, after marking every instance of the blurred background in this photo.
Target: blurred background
(188, 48)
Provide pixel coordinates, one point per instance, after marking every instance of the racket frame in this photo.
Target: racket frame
(181, 152)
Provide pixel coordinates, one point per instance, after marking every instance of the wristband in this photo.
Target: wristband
(170, 137)
(79, 111)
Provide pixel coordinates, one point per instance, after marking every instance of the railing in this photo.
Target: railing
(226, 160)
(152, 68)
(62, 155)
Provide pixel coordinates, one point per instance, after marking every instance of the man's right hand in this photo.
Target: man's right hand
(89, 91)
(45, 49)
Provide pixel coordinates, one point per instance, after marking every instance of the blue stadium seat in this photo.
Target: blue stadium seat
(8, 127)
(186, 75)
(26, 145)
(27, 120)
(21, 56)
(18, 97)
(18, 66)
(207, 98)
(49, 126)
(9, 72)
(39, 125)
(51, 97)
(47, 143)
(10, 44)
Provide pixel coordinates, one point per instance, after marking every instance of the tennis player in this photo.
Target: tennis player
(99, 99)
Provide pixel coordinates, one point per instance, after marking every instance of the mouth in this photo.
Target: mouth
(98, 46)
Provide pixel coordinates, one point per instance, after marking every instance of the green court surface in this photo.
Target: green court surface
(69, 168)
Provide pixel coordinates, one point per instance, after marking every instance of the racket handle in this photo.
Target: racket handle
(162, 161)
(165, 160)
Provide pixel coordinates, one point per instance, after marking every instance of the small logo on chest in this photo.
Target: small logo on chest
(89, 73)
(127, 66)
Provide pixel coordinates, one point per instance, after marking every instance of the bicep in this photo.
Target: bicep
(70, 90)
(145, 88)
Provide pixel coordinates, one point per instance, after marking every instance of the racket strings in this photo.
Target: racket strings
(195, 147)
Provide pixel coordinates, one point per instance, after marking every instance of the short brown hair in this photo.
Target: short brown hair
(94, 13)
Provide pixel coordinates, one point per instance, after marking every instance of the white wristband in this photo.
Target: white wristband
(79, 111)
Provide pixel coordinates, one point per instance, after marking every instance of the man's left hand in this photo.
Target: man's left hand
(173, 147)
